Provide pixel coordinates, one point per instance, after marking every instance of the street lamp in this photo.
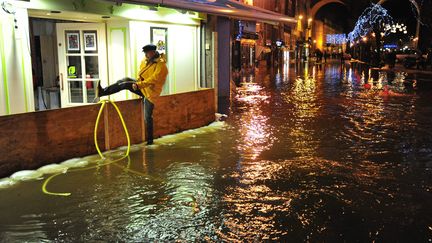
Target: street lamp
(309, 34)
(305, 32)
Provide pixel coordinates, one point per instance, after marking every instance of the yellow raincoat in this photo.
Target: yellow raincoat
(152, 76)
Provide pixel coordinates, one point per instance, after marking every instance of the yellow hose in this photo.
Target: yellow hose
(97, 124)
(46, 182)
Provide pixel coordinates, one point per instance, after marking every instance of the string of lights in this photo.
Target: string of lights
(240, 32)
(394, 28)
(374, 17)
(336, 39)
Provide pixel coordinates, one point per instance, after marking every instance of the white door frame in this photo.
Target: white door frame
(101, 53)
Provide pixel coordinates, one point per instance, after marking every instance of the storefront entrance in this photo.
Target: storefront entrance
(68, 57)
(82, 61)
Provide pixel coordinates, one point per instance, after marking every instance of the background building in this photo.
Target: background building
(270, 38)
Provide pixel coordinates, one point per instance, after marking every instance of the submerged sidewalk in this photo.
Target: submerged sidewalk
(414, 71)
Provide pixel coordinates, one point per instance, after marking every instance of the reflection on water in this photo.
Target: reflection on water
(302, 95)
(309, 153)
(255, 134)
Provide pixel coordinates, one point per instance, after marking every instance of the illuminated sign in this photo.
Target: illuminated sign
(391, 46)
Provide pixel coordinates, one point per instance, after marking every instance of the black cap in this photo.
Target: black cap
(149, 47)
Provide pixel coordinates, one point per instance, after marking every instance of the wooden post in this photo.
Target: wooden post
(143, 130)
(106, 128)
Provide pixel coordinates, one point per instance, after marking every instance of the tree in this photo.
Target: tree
(374, 19)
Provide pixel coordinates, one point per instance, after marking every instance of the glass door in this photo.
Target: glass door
(82, 61)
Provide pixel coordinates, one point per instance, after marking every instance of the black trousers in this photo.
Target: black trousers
(127, 84)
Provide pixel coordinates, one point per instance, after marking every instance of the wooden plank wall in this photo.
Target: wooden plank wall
(31, 140)
(176, 113)
(132, 113)
(28, 141)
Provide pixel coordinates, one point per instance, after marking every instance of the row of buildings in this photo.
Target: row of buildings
(299, 40)
(53, 52)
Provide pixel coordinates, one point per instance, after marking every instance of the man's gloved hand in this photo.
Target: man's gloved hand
(134, 86)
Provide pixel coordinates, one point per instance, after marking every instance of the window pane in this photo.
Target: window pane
(75, 92)
(74, 67)
(92, 67)
(91, 86)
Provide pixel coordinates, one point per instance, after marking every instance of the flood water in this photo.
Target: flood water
(307, 154)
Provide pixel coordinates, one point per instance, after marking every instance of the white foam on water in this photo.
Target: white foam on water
(123, 148)
(116, 153)
(52, 169)
(135, 148)
(170, 139)
(75, 163)
(92, 157)
(153, 146)
(217, 124)
(72, 160)
(7, 182)
(26, 175)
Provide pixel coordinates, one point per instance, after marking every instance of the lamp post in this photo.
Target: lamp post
(308, 36)
(299, 51)
(310, 27)
(305, 34)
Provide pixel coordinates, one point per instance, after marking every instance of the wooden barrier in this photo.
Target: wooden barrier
(28, 141)
(31, 140)
(176, 113)
(132, 111)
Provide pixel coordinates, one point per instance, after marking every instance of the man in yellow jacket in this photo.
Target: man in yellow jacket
(150, 81)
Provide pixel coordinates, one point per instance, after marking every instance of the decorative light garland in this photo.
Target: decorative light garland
(336, 39)
(396, 28)
(372, 17)
(240, 32)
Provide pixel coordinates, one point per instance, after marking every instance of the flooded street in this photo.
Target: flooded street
(320, 153)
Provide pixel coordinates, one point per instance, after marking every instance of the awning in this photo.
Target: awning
(227, 8)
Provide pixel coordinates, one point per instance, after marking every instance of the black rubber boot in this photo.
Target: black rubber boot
(98, 92)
